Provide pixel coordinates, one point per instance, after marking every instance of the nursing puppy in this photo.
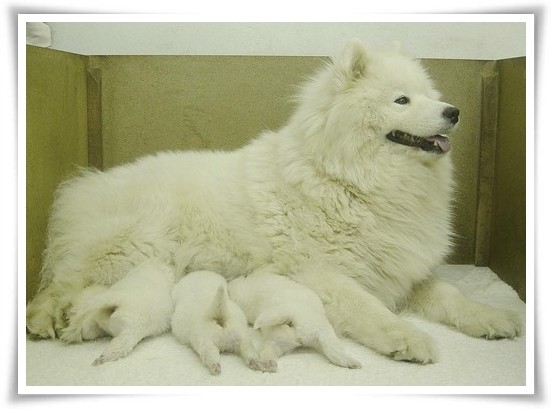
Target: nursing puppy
(289, 315)
(208, 321)
(137, 306)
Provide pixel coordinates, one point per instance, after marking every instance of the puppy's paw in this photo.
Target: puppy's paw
(111, 353)
(491, 323)
(104, 358)
(215, 368)
(99, 360)
(268, 365)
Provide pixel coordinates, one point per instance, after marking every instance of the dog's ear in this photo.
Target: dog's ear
(397, 47)
(353, 61)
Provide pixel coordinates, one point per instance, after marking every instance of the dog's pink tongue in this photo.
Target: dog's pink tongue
(441, 141)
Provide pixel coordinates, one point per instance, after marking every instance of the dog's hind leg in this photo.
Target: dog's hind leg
(440, 301)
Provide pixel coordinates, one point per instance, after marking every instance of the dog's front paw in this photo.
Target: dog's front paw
(71, 335)
(491, 323)
(335, 353)
(40, 326)
(44, 318)
(413, 346)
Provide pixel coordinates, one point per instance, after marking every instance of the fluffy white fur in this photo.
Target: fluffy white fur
(208, 321)
(137, 306)
(289, 316)
(327, 200)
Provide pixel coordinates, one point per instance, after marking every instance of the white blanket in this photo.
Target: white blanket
(162, 361)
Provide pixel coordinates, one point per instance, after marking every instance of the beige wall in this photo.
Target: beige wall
(187, 102)
(56, 139)
(151, 103)
(508, 237)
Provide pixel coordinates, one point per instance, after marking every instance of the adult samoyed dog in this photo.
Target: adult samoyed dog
(351, 198)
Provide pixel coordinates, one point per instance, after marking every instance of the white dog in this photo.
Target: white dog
(208, 321)
(137, 306)
(352, 198)
(289, 315)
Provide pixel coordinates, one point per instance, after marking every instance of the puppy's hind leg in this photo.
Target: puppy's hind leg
(278, 341)
(120, 346)
(83, 317)
(137, 306)
(243, 340)
(208, 353)
(249, 351)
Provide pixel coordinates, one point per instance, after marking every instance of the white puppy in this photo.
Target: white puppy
(289, 315)
(137, 306)
(208, 321)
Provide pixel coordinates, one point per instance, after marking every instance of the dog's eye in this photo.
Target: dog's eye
(402, 100)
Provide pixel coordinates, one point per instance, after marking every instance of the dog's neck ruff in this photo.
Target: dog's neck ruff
(437, 143)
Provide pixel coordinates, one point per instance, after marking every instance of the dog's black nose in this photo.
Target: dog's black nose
(452, 113)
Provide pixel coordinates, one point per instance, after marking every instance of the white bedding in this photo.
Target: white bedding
(161, 361)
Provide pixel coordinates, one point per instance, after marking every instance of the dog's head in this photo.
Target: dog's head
(368, 101)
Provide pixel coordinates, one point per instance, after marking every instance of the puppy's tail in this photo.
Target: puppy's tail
(219, 307)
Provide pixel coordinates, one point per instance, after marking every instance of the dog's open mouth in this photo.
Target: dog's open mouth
(436, 143)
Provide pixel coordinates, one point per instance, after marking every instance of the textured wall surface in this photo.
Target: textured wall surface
(156, 103)
(56, 139)
(508, 240)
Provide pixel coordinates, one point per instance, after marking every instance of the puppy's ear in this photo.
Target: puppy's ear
(271, 318)
(353, 60)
